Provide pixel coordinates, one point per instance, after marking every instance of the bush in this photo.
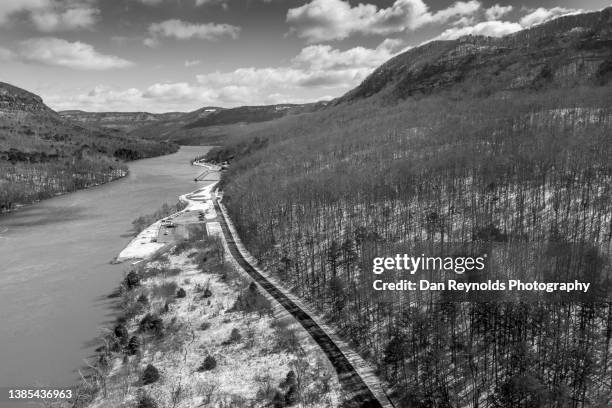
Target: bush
(205, 326)
(149, 375)
(151, 323)
(181, 293)
(165, 291)
(121, 333)
(181, 247)
(291, 396)
(290, 380)
(132, 346)
(286, 338)
(235, 337)
(490, 233)
(278, 401)
(159, 271)
(142, 299)
(132, 280)
(146, 402)
(204, 290)
(252, 301)
(209, 363)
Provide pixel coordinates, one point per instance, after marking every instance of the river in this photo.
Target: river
(55, 270)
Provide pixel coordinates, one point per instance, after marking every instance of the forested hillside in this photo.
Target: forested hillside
(521, 172)
(211, 125)
(43, 154)
(566, 52)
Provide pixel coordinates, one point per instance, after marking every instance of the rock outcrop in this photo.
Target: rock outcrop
(15, 100)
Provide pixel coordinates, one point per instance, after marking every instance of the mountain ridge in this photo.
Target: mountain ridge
(562, 52)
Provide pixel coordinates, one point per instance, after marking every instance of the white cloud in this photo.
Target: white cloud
(457, 10)
(497, 28)
(176, 92)
(6, 54)
(317, 69)
(324, 20)
(9, 7)
(192, 63)
(542, 15)
(496, 12)
(151, 2)
(70, 19)
(182, 30)
(151, 42)
(324, 57)
(53, 15)
(223, 3)
(487, 28)
(265, 79)
(100, 98)
(197, 2)
(159, 97)
(315, 73)
(75, 55)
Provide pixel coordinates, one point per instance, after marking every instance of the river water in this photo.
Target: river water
(55, 270)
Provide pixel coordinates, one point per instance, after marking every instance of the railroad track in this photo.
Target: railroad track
(360, 395)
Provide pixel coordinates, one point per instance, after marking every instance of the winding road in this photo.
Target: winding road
(360, 394)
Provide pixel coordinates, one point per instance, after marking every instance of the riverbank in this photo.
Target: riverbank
(51, 185)
(210, 334)
(56, 302)
(117, 174)
(171, 229)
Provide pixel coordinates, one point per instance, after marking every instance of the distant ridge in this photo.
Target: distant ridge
(126, 121)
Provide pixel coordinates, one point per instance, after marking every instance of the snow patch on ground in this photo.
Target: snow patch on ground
(244, 367)
(144, 245)
(201, 200)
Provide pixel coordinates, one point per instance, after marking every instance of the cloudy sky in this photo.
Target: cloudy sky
(180, 55)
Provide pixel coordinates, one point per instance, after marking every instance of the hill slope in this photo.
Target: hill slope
(211, 125)
(42, 153)
(565, 52)
(454, 149)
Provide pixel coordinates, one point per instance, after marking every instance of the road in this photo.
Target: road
(355, 387)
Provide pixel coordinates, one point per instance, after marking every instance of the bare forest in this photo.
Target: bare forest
(525, 176)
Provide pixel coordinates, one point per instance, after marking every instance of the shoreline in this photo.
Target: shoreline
(256, 358)
(19, 206)
(144, 251)
(146, 244)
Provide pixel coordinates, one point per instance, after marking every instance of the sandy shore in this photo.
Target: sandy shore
(157, 236)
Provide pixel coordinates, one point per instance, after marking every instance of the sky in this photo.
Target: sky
(181, 55)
